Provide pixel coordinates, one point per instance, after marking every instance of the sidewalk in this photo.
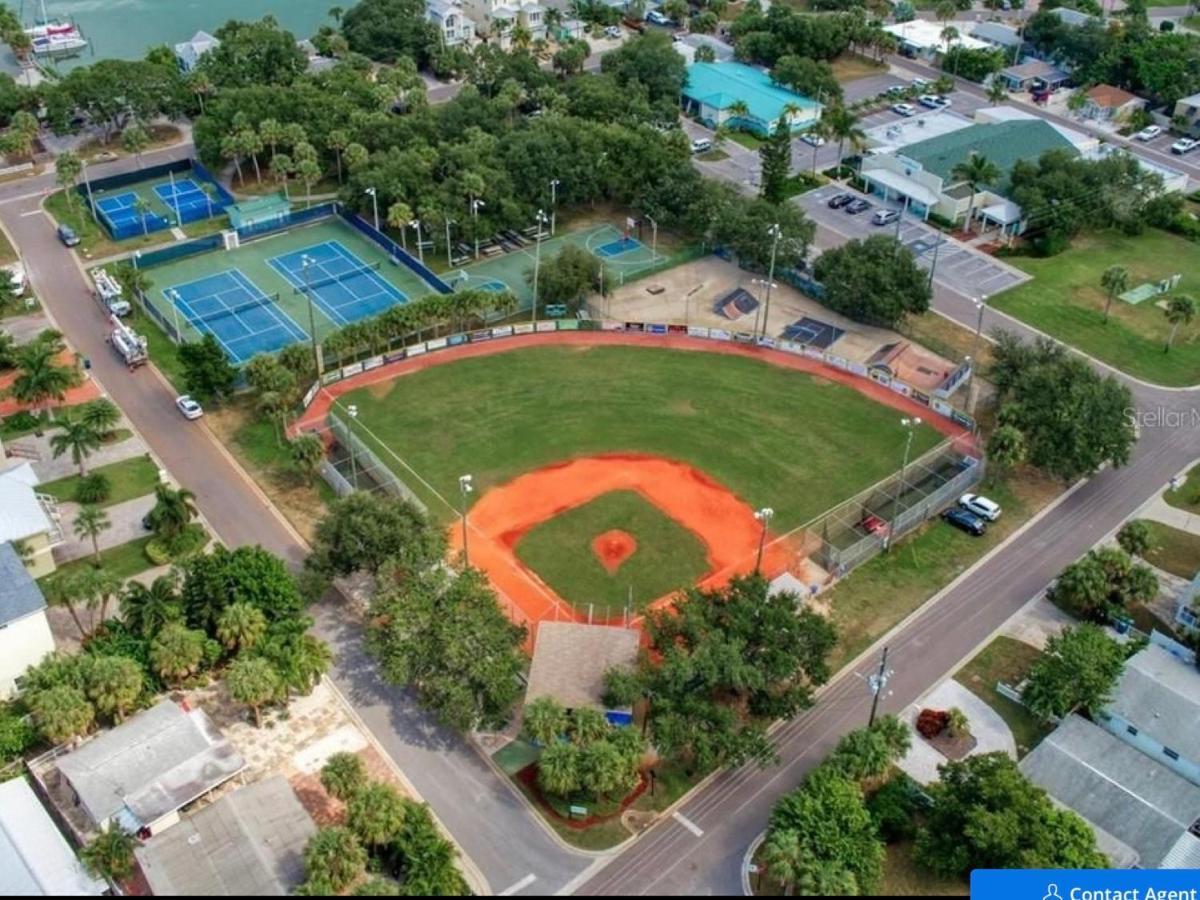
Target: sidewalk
(1158, 510)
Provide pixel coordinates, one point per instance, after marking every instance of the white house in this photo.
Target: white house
(29, 517)
(922, 38)
(188, 53)
(454, 26)
(38, 861)
(498, 18)
(24, 632)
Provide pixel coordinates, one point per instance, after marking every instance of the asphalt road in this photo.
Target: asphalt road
(496, 831)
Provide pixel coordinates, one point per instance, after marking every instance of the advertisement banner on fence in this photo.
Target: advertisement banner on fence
(311, 395)
(900, 388)
(919, 397)
(613, 326)
(395, 357)
(455, 339)
(568, 324)
(814, 353)
(719, 334)
(677, 329)
(435, 344)
(352, 369)
(482, 334)
(523, 328)
(416, 349)
(856, 367)
(697, 331)
(941, 406)
(836, 361)
(373, 363)
(656, 329)
(636, 327)
(502, 331)
(331, 377)
(743, 337)
(791, 347)
(547, 326)
(767, 341)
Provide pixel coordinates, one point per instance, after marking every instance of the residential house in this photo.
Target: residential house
(922, 39)
(689, 44)
(29, 519)
(138, 775)
(316, 62)
(250, 843)
(1036, 75)
(1156, 708)
(1073, 16)
(998, 36)
(1187, 111)
(1111, 104)
(496, 19)
(24, 632)
(570, 659)
(1187, 612)
(35, 858)
(569, 29)
(716, 92)
(453, 24)
(1144, 814)
(188, 53)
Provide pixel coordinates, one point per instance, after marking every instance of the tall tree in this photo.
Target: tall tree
(333, 860)
(177, 652)
(241, 626)
(376, 814)
(363, 531)
(252, 681)
(775, 156)
(146, 610)
(90, 523)
(976, 171)
(77, 437)
(114, 685)
(1181, 309)
(1115, 280)
(62, 713)
(875, 280)
(1078, 671)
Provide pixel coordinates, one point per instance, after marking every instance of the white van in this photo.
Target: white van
(701, 145)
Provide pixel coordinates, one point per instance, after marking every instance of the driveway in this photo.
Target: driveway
(991, 733)
(126, 525)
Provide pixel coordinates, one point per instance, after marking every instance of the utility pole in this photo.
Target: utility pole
(775, 232)
(416, 223)
(876, 683)
(464, 489)
(449, 258)
(475, 204)
(554, 183)
(973, 359)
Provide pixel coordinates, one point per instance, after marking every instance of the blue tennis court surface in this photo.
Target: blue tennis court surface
(121, 209)
(231, 308)
(184, 195)
(617, 247)
(343, 286)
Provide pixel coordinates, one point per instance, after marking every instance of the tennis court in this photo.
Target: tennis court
(623, 257)
(155, 199)
(343, 286)
(235, 311)
(120, 212)
(185, 197)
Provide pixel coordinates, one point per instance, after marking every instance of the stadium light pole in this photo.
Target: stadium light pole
(416, 223)
(352, 411)
(449, 258)
(306, 263)
(537, 264)
(776, 233)
(554, 183)
(764, 516)
(370, 192)
(980, 305)
(464, 489)
(475, 204)
(911, 426)
(654, 239)
(175, 301)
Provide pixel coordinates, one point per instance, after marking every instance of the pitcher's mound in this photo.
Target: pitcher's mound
(614, 547)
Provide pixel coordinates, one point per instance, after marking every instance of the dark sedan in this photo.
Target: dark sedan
(840, 200)
(965, 521)
(854, 207)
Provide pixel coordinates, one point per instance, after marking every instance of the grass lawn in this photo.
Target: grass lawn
(1009, 660)
(1065, 300)
(769, 434)
(130, 478)
(850, 66)
(668, 556)
(946, 338)
(7, 253)
(124, 560)
(746, 139)
(903, 878)
(881, 592)
(1187, 495)
(1172, 550)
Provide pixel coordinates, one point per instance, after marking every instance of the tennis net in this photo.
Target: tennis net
(249, 305)
(337, 279)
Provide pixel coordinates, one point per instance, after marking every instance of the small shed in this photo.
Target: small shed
(570, 659)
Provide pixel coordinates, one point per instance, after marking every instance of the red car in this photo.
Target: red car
(872, 524)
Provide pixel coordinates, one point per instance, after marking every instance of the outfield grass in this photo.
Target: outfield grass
(668, 556)
(772, 435)
(1008, 660)
(130, 478)
(1065, 299)
(1172, 550)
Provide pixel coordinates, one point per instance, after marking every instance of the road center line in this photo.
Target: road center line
(31, 212)
(688, 824)
(519, 886)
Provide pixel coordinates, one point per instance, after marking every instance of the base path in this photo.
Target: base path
(314, 416)
(722, 521)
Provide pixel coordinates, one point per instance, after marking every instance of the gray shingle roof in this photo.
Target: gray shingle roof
(250, 842)
(19, 594)
(569, 661)
(151, 765)
(1160, 695)
(1116, 787)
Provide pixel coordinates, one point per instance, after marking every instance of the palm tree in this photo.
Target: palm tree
(376, 814)
(1181, 309)
(997, 92)
(337, 141)
(738, 109)
(333, 859)
(251, 144)
(65, 589)
(177, 652)
(134, 139)
(783, 858)
(588, 726)
(240, 626)
(310, 173)
(399, 214)
(141, 206)
(820, 132)
(975, 171)
(307, 452)
(252, 681)
(76, 437)
(102, 415)
(231, 149)
(545, 721)
(1115, 280)
(173, 510)
(92, 522)
(114, 684)
(843, 125)
(558, 769)
(281, 170)
(147, 610)
(67, 169)
(201, 85)
(40, 378)
(343, 775)
(110, 855)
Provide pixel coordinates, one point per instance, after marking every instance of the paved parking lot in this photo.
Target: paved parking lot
(963, 269)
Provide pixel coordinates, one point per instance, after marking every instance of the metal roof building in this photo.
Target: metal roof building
(35, 859)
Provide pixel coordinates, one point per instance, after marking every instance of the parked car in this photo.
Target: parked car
(980, 506)
(872, 524)
(188, 407)
(813, 140)
(904, 109)
(920, 83)
(965, 521)
(701, 145)
(67, 235)
(1184, 145)
(896, 89)
(839, 200)
(934, 101)
(1149, 133)
(612, 31)
(657, 18)
(884, 217)
(857, 205)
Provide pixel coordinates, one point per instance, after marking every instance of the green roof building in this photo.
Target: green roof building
(1004, 143)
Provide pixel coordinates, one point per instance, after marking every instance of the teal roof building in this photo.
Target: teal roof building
(714, 89)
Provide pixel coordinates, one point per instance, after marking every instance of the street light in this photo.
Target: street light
(980, 305)
(775, 232)
(911, 426)
(464, 488)
(766, 285)
(475, 204)
(537, 263)
(370, 192)
(416, 223)
(764, 516)
(176, 302)
(654, 239)
(306, 264)
(554, 183)
(352, 411)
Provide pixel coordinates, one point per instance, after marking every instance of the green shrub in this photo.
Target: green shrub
(189, 541)
(21, 422)
(17, 735)
(93, 488)
(893, 807)
(158, 552)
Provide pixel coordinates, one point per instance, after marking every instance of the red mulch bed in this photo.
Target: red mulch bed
(528, 777)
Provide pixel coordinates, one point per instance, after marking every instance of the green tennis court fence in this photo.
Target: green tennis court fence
(172, 252)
